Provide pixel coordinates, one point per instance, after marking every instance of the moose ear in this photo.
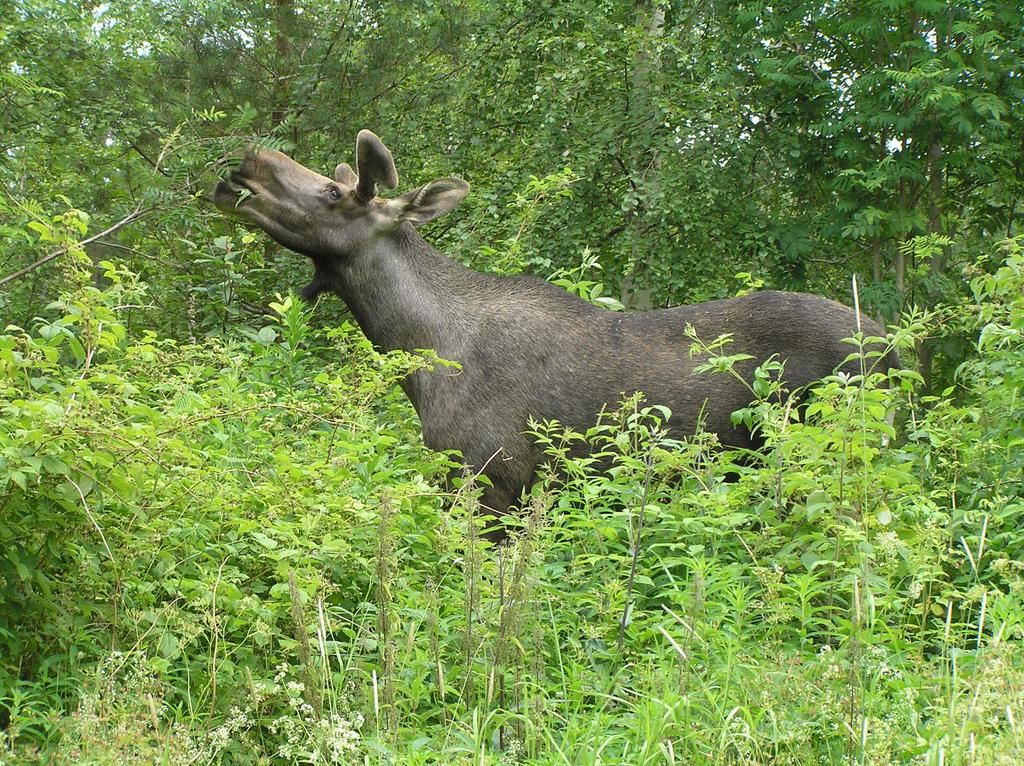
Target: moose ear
(430, 200)
(374, 165)
(344, 175)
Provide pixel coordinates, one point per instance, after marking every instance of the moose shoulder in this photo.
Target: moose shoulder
(527, 349)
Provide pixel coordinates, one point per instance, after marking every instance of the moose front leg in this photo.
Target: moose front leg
(503, 478)
(496, 502)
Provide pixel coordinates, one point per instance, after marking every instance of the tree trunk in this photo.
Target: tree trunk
(284, 12)
(926, 350)
(652, 17)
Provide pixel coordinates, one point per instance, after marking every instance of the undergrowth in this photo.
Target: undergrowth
(237, 551)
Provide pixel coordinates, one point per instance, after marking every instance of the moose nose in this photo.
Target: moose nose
(237, 172)
(237, 164)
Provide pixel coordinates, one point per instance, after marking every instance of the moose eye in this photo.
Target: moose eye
(334, 193)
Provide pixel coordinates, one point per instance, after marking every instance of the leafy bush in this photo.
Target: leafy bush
(236, 551)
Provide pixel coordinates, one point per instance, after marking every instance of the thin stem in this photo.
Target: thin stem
(637, 534)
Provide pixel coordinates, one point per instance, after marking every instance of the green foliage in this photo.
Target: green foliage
(575, 281)
(241, 552)
(799, 146)
(220, 539)
(107, 440)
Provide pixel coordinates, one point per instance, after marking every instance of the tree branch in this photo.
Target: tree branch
(137, 213)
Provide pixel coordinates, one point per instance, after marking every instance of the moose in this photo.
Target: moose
(526, 349)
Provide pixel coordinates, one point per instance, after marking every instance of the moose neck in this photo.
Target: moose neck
(403, 293)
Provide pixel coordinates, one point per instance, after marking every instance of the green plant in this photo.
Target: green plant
(575, 281)
(228, 552)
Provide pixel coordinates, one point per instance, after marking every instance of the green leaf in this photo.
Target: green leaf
(168, 646)
(45, 232)
(266, 542)
(817, 503)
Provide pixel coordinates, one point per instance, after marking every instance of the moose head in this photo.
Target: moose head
(331, 219)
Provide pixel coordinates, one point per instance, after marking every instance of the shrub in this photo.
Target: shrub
(236, 551)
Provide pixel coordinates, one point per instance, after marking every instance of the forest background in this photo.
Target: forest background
(221, 540)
